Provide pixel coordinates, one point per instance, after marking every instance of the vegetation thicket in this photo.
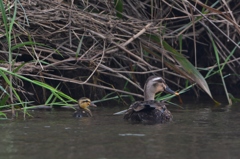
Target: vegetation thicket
(53, 52)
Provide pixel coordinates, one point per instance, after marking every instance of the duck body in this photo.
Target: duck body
(82, 113)
(83, 110)
(150, 111)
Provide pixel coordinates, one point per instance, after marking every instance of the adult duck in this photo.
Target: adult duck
(84, 110)
(150, 111)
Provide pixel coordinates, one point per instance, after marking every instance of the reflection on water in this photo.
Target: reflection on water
(199, 132)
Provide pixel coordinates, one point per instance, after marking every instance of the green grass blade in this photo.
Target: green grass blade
(79, 46)
(220, 70)
(57, 93)
(119, 8)
(9, 83)
(3, 115)
(188, 68)
(4, 17)
(4, 99)
(28, 43)
(13, 18)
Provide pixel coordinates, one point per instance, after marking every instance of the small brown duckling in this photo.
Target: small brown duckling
(83, 110)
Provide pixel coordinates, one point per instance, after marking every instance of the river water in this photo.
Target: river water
(200, 131)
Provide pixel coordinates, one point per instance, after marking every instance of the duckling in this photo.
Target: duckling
(150, 111)
(83, 110)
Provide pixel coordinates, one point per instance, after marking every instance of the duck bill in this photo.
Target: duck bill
(92, 105)
(168, 90)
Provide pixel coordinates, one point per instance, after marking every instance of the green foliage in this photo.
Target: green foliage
(107, 98)
(8, 30)
(4, 18)
(233, 99)
(119, 8)
(56, 94)
(27, 43)
(7, 75)
(187, 69)
(3, 115)
(7, 80)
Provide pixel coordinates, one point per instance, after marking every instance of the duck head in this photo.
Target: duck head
(84, 103)
(155, 84)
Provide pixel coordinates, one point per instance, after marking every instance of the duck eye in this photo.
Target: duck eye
(161, 81)
(156, 85)
(85, 101)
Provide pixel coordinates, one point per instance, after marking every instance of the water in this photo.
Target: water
(197, 132)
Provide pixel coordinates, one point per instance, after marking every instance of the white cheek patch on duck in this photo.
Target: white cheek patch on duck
(160, 87)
